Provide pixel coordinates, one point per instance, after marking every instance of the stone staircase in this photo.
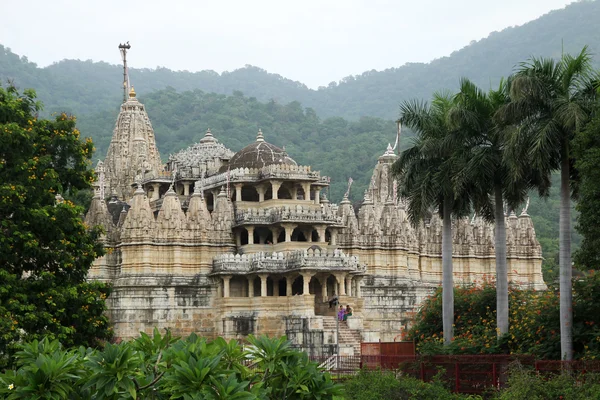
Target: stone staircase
(348, 337)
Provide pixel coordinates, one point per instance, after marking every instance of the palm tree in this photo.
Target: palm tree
(486, 172)
(426, 175)
(473, 118)
(551, 101)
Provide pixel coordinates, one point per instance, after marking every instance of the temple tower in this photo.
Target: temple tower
(132, 154)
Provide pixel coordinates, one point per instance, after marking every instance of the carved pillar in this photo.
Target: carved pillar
(306, 188)
(333, 236)
(294, 193)
(250, 230)
(261, 193)
(263, 285)
(238, 191)
(186, 188)
(317, 195)
(288, 285)
(238, 238)
(306, 280)
(321, 232)
(289, 229)
(226, 279)
(275, 185)
(308, 234)
(340, 278)
(324, 288)
(251, 286)
(357, 285)
(275, 233)
(156, 192)
(349, 285)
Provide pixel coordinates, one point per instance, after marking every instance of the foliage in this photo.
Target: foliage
(534, 323)
(384, 385)
(163, 367)
(526, 384)
(587, 150)
(45, 248)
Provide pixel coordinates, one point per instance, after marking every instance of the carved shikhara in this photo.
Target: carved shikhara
(198, 246)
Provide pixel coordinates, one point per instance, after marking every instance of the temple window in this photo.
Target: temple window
(249, 193)
(281, 237)
(243, 237)
(298, 236)
(297, 286)
(256, 285)
(210, 201)
(284, 191)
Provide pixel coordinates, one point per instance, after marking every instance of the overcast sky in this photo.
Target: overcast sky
(311, 41)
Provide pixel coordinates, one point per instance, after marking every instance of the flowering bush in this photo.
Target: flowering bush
(534, 322)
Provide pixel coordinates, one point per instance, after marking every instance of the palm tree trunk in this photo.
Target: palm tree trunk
(501, 267)
(447, 277)
(566, 270)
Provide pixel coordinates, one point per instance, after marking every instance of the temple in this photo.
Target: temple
(226, 243)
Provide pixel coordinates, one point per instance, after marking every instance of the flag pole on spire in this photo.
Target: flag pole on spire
(123, 49)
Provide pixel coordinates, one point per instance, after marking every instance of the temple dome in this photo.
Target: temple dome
(209, 148)
(260, 154)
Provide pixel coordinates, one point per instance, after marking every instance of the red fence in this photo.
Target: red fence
(463, 374)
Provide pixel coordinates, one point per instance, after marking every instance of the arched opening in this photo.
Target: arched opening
(332, 286)
(243, 237)
(282, 286)
(301, 195)
(314, 236)
(314, 287)
(262, 235)
(298, 236)
(238, 287)
(270, 286)
(256, 285)
(284, 191)
(249, 193)
(281, 237)
(210, 201)
(297, 286)
(328, 236)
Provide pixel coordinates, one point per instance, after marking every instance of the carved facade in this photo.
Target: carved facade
(227, 244)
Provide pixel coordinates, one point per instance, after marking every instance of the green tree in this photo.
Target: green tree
(427, 173)
(551, 102)
(45, 248)
(487, 173)
(587, 152)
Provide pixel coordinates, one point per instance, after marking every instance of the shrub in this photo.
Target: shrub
(384, 385)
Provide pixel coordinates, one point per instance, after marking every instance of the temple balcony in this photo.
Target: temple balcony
(295, 214)
(314, 260)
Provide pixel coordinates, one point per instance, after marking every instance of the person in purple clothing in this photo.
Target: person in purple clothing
(341, 313)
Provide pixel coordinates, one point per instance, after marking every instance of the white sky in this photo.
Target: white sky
(311, 41)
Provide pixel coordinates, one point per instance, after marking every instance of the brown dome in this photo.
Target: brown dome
(259, 154)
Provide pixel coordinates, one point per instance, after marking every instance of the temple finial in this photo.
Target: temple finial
(132, 92)
(259, 136)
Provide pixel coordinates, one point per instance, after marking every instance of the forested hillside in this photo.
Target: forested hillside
(82, 87)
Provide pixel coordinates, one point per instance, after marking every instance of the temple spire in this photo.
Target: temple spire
(123, 48)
